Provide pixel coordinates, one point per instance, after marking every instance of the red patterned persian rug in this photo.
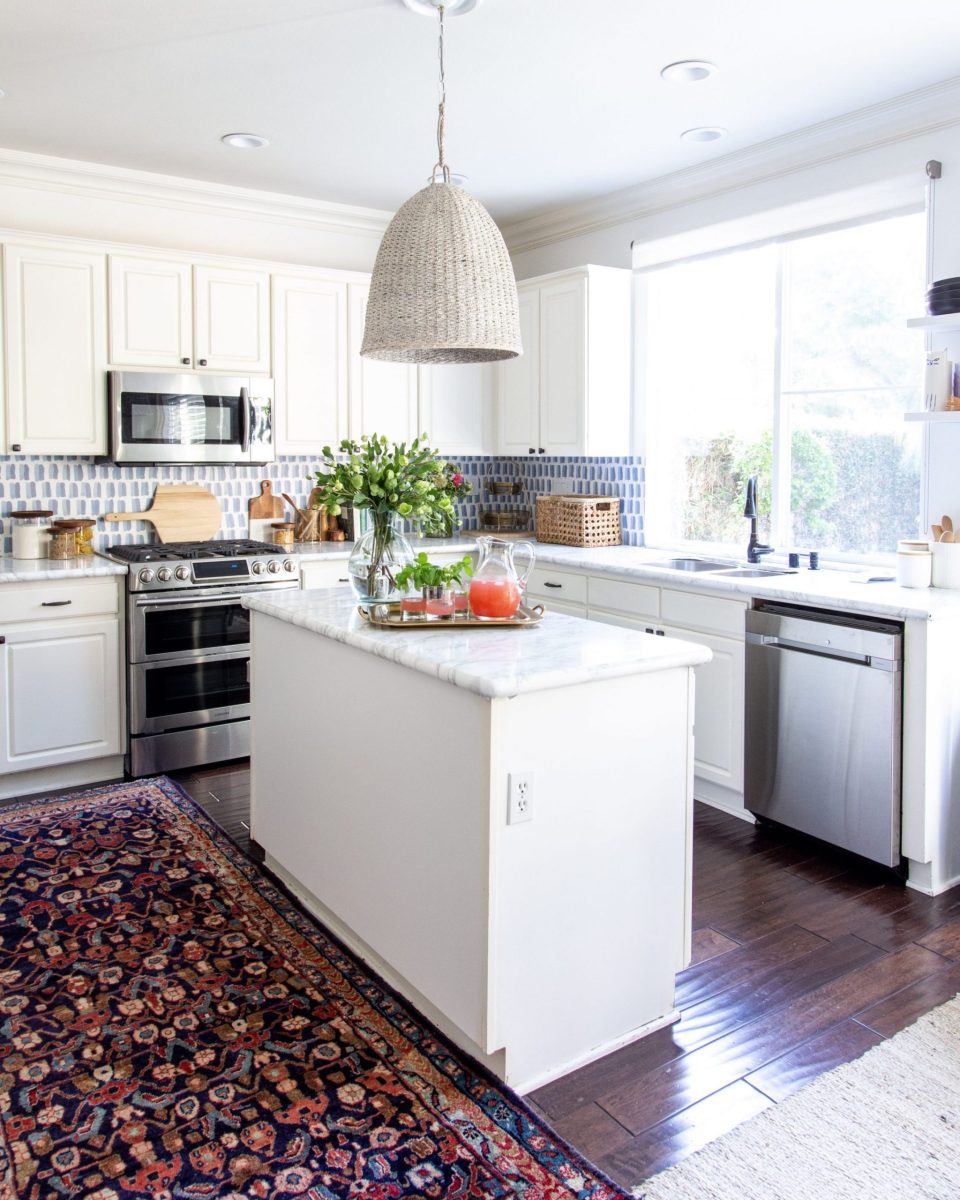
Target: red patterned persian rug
(172, 1027)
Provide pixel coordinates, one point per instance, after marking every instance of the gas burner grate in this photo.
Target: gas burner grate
(179, 551)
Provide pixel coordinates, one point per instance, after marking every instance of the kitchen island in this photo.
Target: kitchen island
(380, 776)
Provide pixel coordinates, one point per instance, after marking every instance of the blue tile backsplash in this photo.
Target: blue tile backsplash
(80, 487)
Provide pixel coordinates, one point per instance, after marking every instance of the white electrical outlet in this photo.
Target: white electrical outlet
(519, 797)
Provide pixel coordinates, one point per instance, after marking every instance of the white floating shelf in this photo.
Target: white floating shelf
(944, 321)
(932, 416)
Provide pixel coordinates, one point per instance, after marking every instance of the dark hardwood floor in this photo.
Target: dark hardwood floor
(802, 961)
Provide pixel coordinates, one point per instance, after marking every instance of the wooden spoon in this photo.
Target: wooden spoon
(947, 535)
(299, 511)
(946, 523)
(937, 531)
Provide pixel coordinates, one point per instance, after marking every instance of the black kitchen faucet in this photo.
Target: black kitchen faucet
(755, 548)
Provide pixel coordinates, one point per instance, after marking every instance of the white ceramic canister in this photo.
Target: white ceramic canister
(914, 568)
(946, 564)
(30, 532)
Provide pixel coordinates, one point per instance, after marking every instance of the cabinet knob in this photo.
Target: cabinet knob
(185, 361)
(202, 362)
(16, 448)
(532, 451)
(541, 451)
(3, 641)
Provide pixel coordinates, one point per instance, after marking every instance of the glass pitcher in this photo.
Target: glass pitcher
(496, 588)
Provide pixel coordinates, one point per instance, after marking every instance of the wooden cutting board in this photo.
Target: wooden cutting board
(266, 506)
(181, 512)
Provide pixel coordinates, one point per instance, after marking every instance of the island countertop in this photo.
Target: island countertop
(496, 663)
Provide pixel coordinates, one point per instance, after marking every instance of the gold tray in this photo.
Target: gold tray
(388, 616)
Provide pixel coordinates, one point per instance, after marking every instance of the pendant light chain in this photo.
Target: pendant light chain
(441, 118)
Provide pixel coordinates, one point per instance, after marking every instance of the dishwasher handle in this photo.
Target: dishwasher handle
(773, 642)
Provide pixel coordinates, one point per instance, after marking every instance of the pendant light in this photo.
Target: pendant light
(443, 288)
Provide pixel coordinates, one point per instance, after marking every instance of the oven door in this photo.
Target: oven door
(188, 692)
(159, 418)
(163, 628)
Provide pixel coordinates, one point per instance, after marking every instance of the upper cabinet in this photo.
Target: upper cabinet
(456, 407)
(165, 313)
(309, 328)
(56, 350)
(383, 395)
(569, 392)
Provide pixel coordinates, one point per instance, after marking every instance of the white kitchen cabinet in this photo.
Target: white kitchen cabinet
(569, 392)
(323, 573)
(309, 335)
(718, 738)
(151, 312)
(713, 621)
(231, 319)
(383, 395)
(560, 591)
(60, 676)
(169, 313)
(56, 350)
(456, 407)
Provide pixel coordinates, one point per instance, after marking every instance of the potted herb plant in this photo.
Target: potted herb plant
(393, 482)
(435, 585)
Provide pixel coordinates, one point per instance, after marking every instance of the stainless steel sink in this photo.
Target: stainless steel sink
(753, 572)
(692, 564)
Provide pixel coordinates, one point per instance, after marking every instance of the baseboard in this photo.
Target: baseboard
(722, 798)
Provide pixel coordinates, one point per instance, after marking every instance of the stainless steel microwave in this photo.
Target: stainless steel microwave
(170, 418)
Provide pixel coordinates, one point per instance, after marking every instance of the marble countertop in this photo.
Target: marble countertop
(846, 590)
(32, 570)
(495, 663)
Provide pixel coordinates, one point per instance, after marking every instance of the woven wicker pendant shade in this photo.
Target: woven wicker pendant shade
(443, 289)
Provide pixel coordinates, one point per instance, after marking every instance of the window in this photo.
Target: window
(791, 361)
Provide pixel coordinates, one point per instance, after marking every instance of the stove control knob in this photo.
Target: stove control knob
(164, 574)
(146, 575)
(273, 566)
(258, 568)
(289, 564)
(182, 572)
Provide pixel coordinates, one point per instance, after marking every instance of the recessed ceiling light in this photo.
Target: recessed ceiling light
(704, 133)
(451, 8)
(244, 141)
(689, 71)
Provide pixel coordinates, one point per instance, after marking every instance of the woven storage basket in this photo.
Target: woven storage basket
(579, 520)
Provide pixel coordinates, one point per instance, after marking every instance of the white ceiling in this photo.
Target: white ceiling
(550, 102)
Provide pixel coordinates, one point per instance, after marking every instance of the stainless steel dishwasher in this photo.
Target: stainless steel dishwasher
(823, 726)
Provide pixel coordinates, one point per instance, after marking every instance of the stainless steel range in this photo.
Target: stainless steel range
(188, 648)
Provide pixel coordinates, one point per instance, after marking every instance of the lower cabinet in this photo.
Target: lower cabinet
(60, 675)
(712, 621)
(323, 574)
(560, 591)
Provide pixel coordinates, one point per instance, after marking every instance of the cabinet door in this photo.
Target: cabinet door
(563, 377)
(456, 402)
(151, 312)
(309, 333)
(383, 395)
(518, 385)
(317, 573)
(56, 338)
(59, 694)
(232, 319)
(718, 740)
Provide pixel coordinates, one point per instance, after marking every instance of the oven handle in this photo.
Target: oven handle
(245, 420)
(154, 605)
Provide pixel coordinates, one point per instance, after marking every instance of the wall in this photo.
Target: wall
(80, 487)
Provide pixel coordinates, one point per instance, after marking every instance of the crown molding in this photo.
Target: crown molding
(98, 181)
(924, 111)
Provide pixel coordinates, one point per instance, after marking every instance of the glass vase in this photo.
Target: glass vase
(377, 557)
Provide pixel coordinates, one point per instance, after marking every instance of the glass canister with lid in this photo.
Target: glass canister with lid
(63, 539)
(30, 532)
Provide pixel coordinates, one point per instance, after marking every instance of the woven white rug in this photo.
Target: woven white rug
(886, 1125)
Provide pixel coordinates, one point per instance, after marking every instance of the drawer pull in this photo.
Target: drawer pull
(54, 603)
(343, 580)
(547, 583)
